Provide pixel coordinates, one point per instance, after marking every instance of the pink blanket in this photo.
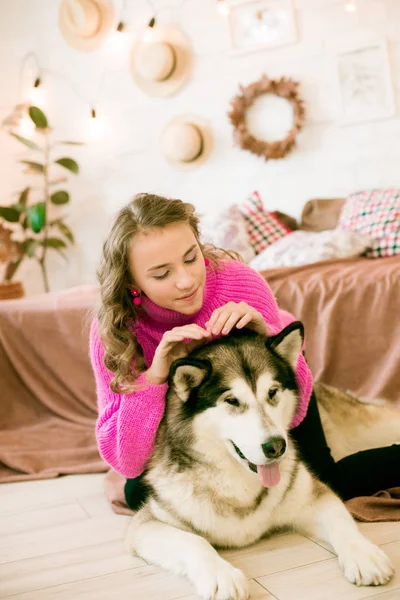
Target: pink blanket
(48, 408)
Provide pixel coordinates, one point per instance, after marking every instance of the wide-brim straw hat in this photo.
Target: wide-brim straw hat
(161, 60)
(85, 24)
(187, 142)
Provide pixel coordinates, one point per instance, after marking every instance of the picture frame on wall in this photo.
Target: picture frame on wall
(260, 24)
(365, 85)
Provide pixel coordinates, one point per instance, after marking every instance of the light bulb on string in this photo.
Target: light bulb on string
(36, 94)
(223, 8)
(118, 43)
(96, 129)
(350, 6)
(148, 33)
(26, 127)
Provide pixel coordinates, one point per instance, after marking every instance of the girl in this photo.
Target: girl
(163, 293)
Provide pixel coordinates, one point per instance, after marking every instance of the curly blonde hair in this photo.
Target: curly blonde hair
(117, 312)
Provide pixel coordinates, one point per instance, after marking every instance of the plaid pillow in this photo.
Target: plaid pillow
(263, 227)
(375, 214)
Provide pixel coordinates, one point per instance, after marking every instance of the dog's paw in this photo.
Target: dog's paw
(366, 564)
(219, 580)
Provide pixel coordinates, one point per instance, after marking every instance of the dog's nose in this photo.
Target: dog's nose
(274, 448)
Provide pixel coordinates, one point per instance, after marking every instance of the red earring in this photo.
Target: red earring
(136, 299)
(206, 262)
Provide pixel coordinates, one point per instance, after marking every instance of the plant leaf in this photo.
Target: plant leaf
(38, 117)
(23, 199)
(34, 166)
(37, 216)
(27, 142)
(72, 143)
(60, 197)
(68, 163)
(9, 213)
(19, 207)
(53, 242)
(29, 247)
(25, 222)
(65, 257)
(64, 229)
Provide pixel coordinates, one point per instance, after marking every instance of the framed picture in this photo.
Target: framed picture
(365, 86)
(258, 24)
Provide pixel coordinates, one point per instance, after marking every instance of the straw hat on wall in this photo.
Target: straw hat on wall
(187, 142)
(85, 24)
(161, 61)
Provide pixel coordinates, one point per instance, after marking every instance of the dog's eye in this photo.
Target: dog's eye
(232, 401)
(272, 393)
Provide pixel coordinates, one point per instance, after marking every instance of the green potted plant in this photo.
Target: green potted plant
(31, 227)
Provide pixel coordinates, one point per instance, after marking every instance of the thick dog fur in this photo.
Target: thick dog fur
(227, 402)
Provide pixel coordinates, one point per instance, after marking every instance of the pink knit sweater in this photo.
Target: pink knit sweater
(127, 423)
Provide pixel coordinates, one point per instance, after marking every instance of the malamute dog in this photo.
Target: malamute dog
(225, 472)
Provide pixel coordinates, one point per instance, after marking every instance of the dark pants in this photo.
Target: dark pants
(360, 474)
(135, 492)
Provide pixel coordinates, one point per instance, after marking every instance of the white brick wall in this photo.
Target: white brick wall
(329, 160)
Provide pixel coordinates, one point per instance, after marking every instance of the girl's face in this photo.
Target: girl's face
(168, 266)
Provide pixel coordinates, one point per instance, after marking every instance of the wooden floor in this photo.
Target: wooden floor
(60, 540)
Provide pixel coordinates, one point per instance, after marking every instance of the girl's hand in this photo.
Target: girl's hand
(240, 315)
(172, 347)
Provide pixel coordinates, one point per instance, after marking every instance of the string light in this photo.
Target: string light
(119, 41)
(36, 94)
(350, 6)
(26, 127)
(118, 44)
(149, 33)
(19, 121)
(96, 128)
(223, 8)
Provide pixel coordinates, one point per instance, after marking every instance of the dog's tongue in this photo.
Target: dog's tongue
(269, 474)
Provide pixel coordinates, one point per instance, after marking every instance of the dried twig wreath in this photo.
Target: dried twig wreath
(286, 88)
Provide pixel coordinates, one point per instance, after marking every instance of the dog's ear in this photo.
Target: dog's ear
(288, 342)
(187, 374)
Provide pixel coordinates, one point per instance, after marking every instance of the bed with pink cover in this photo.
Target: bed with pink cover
(350, 309)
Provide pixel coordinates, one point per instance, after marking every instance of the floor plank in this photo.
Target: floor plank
(324, 580)
(274, 554)
(22, 496)
(40, 518)
(63, 537)
(381, 533)
(391, 595)
(257, 592)
(95, 505)
(50, 570)
(142, 583)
